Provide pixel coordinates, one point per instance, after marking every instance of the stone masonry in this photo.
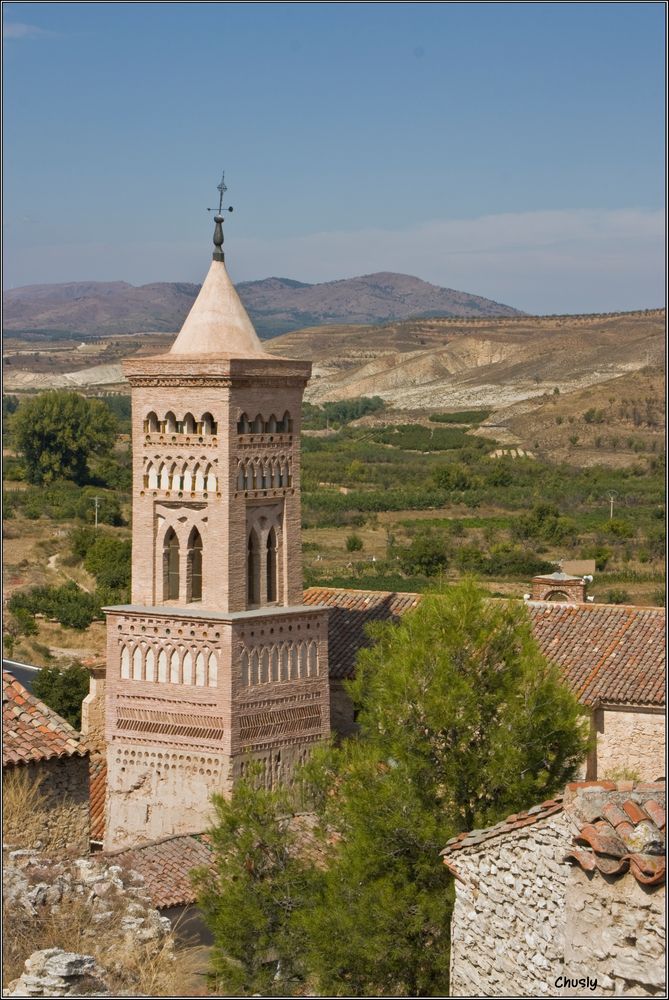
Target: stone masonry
(507, 933)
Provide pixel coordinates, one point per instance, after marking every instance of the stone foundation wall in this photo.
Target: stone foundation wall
(507, 933)
(614, 933)
(630, 742)
(64, 784)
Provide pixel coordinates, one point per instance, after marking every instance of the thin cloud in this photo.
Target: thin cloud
(18, 29)
(542, 262)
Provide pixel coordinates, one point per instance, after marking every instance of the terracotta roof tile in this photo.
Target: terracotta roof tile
(608, 653)
(617, 830)
(165, 866)
(31, 730)
(97, 791)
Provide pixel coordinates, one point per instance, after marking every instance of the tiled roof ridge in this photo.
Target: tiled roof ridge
(594, 607)
(515, 821)
(356, 590)
(615, 833)
(116, 851)
(17, 703)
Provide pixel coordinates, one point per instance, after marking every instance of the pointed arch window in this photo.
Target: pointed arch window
(194, 566)
(253, 569)
(171, 566)
(271, 556)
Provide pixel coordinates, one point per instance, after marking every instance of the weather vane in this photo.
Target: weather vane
(218, 219)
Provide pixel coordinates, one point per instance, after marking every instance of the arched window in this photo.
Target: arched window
(170, 423)
(151, 424)
(243, 425)
(188, 424)
(556, 595)
(208, 424)
(286, 423)
(271, 424)
(253, 569)
(241, 477)
(272, 588)
(194, 570)
(258, 424)
(171, 566)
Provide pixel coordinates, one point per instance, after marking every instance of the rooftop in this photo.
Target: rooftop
(31, 730)
(165, 866)
(609, 653)
(618, 827)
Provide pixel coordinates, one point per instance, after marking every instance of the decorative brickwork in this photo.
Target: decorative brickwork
(216, 661)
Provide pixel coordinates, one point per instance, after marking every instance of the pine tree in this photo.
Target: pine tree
(462, 722)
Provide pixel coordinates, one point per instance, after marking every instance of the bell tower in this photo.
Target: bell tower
(216, 662)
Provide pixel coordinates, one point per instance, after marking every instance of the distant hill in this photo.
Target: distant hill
(276, 305)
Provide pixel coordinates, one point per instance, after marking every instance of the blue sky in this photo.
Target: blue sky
(511, 150)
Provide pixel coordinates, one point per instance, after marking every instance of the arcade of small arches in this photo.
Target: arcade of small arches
(264, 474)
(180, 477)
(259, 425)
(170, 424)
(287, 661)
(169, 665)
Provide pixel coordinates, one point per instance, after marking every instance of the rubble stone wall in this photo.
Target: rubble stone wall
(65, 786)
(630, 742)
(507, 932)
(614, 933)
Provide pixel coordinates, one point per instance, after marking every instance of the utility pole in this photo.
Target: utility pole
(96, 501)
(613, 496)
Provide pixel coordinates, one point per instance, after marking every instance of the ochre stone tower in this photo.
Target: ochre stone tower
(216, 661)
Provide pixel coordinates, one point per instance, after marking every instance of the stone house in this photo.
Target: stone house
(566, 899)
(49, 750)
(612, 657)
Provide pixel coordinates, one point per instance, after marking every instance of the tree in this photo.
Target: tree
(58, 431)
(249, 904)
(63, 689)
(462, 722)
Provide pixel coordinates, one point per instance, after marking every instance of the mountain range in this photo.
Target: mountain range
(276, 305)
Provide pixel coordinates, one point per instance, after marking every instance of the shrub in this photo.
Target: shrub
(353, 543)
(617, 596)
(69, 604)
(108, 559)
(63, 689)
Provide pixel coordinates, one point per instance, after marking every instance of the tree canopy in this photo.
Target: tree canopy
(58, 431)
(462, 722)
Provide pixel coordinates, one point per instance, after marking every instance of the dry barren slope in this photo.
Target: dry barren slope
(441, 363)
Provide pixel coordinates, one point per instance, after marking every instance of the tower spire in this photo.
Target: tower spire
(218, 219)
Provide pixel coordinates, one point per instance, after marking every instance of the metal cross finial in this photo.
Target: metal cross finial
(218, 219)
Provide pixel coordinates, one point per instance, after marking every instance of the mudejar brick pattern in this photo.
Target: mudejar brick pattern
(217, 661)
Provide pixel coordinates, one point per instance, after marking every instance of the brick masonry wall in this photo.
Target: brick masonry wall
(615, 933)
(630, 741)
(64, 784)
(507, 932)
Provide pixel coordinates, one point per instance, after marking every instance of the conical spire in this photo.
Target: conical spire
(218, 322)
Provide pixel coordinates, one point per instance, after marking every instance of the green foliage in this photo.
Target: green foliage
(120, 407)
(503, 560)
(353, 543)
(454, 477)
(617, 596)
(63, 689)
(593, 416)
(58, 431)
(22, 622)
(339, 412)
(462, 721)
(108, 559)
(68, 604)
(428, 554)
(544, 523)
(619, 528)
(462, 417)
(249, 903)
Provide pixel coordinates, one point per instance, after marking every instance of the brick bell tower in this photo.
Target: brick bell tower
(216, 662)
